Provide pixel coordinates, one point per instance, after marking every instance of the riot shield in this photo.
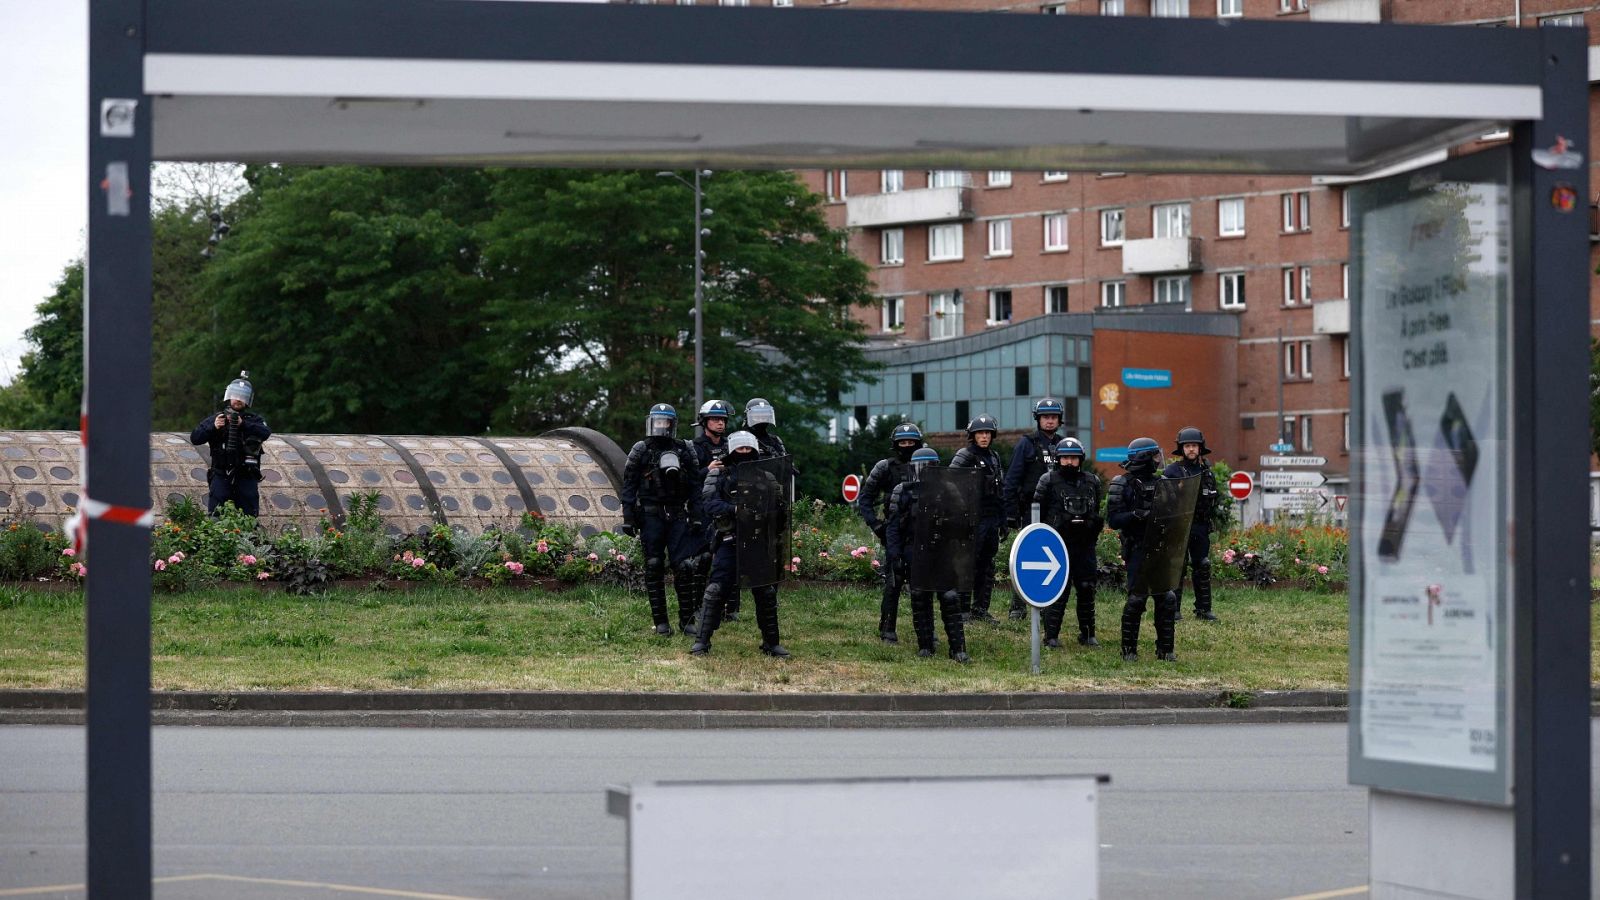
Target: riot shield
(1166, 535)
(761, 499)
(946, 529)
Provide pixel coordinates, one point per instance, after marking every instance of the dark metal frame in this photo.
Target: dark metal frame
(1550, 326)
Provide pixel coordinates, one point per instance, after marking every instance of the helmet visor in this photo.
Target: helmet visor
(656, 425)
(760, 415)
(240, 391)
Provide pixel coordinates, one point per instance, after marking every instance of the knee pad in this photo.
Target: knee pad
(655, 566)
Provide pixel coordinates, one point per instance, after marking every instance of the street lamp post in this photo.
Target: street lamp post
(699, 288)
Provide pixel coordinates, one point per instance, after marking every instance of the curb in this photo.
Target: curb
(698, 719)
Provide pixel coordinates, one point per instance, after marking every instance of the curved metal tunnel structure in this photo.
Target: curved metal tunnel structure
(570, 476)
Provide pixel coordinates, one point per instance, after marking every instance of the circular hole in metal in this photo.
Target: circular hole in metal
(578, 502)
(324, 456)
(515, 503)
(389, 456)
(34, 498)
(599, 478)
(533, 477)
(49, 453)
(271, 476)
(315, 501)
(449, 503)
(282, 501)
(385, 502)
(456, 458)
(61, 473)
(415, 501)
(198, 475)
(567, 476)
(25, 471)
(338, 476)
(370, 477)
(610, 502)
(71, 498)
(303, 474)
(359, 456)
(553, 459)
(424, 458)
(501, 477)
(166, 475)
(436, 476)
(404, 477)
(588, 531)
(488, 458)
(547, 503)
(470, 477)
(521, 458)
(16, 453)
(482, 503)
(582, 457)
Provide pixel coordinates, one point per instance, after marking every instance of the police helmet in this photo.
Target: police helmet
(742, 440)
(1048, 406)
(1142, 451)
(661, 421)
(1191, 435)
(714, 409)
(906, 431)
(924, 457)
(983, 423)
(1070, 447)
(240, 389)
(759, 412)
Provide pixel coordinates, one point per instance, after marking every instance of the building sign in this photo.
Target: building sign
(1147, 378)
(1111, 454)
(1109, 394)
(1429, 641)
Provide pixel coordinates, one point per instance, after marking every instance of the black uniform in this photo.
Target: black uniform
(1069, 502)
(661, 505)
(1199, 550)
(1129, 503)
(886, 475)
(1034, 455)
(903, 501)
(718, 496)
(231, 477)
(991, 519)
(706, 450)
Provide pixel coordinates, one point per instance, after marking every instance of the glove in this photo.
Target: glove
(628, 529)
(882, 533)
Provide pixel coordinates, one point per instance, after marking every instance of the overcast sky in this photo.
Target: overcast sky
(43, 155)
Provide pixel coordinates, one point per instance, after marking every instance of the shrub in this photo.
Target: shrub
(28, 551)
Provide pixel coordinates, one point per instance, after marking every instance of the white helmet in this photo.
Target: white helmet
(742, 440)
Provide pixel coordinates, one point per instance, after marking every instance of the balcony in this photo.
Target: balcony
(1330, 317)
(1161, 256)
(1347, 10)
(941, 204)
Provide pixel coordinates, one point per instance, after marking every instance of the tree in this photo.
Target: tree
(47, 393)
(353, 297)
(593, 296)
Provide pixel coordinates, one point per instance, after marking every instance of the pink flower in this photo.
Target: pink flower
(1249, 556)
(407, 556)
(69, 552)
(792, 567)
(247, 559)
(161, 565)
(1297, 560)
(263, 576)
(175, 558)
(594, 557)
(795, 561)
(418, 562)
(79, 569)
(514, 567)
(876, 564)
(1227, 556)
(622, 557)
(822, 554)
(542, 546)
(1322, 570)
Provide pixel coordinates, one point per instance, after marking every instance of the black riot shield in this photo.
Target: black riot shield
(762, 519)
(1166, 535)
(946, 529)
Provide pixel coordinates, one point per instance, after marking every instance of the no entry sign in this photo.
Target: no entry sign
(852, 487)
(1240, 485)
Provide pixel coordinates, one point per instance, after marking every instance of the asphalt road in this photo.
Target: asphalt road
(1232, 811)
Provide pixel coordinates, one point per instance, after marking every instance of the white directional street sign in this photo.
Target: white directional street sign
(1270, 479)
(1310, 501)
(1267, 461)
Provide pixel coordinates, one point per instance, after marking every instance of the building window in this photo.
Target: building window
(893, 180)
(1305, 284)
(1173, 289)
(944, 242)
(918, 387)
(783, 3)
(1305, 434)
(1020, 385)
(893, 247)
(1170, 220)
(1231, 290)
(860, 418)
(733, 2)
(1286, 428)
(1290, 297)
(1112, 8)
(999, 178)
(1228, 9)
(1305, 359)
(1344, 279)
(1055, 231)
(1297, 211)
(1053, 10)
(1344, 355)
(1573, 20)
(1000, 237)
(1169, 9)
(963, 413)
(1111, 227)
(1056, 176)
(1230, 216)
(1344, 444)
(894, 313)
(999, 307)
(1055, 299)
(838, 184)
(1344, 208)
(1291, 5)
(1297, 359)
(1113, 293)
(944, 315)
(947, 178)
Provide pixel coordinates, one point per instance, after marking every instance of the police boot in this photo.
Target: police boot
(731, 612)
(889, 608)
(954, 629)
(980, 601)
(710, 618)
(684, 582)
(1019, 610)
(922, 621)
(1202, 592)
(767, 621)
(1166, 626)
(655, 589)
(1132, 612)
(1086, 615)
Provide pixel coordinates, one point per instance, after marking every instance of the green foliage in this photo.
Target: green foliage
(1317, 555)
(28, 552)
(1222, 513)
(48, 389)
(1594, 395)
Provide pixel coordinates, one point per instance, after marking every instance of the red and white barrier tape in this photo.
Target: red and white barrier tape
(78, 525)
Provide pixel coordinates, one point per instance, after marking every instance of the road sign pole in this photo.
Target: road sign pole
(1033, 635)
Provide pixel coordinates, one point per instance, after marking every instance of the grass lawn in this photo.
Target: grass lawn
(597, 638)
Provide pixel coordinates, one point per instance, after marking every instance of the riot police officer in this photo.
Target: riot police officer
(979, 454)
(660, 486)
(886, 474)
(1192, 449)
(759, 419)
(1033, 456)
(905, 506)
(1129, 505)
(710, 447)
(744, 480)
(1069, 501)
(235, 435)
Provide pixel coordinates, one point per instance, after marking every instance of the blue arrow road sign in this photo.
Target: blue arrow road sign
(1039, 568)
